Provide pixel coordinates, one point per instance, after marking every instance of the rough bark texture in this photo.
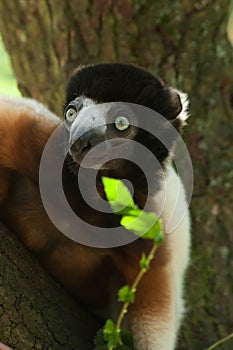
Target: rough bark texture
(35, 312)
(185, 43)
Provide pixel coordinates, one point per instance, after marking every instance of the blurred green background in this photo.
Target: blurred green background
(8, 84)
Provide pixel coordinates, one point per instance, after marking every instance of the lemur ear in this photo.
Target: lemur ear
(178, 102)
(183, 113)
(172, 104)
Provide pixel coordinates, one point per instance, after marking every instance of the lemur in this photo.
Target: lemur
(94, 274)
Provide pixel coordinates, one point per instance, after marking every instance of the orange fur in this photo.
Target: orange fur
(86, 272)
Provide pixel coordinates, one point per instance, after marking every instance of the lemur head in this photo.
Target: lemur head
(104, 84)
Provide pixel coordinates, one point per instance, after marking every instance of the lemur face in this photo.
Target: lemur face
(107, 126)
(93, 118)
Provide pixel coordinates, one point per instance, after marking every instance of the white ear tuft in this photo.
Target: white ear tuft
(184, 114)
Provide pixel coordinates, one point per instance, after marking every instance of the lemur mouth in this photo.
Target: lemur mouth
(104, 156)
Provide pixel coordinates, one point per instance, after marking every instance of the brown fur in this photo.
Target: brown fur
(87, 273)
(81, 269)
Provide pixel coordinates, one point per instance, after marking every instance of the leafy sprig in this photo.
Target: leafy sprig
(143, 224)
(147, 226)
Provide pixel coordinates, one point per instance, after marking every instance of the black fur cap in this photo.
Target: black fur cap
(116, 82)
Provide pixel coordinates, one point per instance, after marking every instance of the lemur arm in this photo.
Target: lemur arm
(25, 126)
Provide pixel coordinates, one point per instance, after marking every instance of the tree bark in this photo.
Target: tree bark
(35, 312)
(185, 43)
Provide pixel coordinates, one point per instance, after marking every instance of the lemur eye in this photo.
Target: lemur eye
(71, 114)
(121, 123)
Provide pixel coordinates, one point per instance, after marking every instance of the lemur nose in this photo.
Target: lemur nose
(81, 146)
(87, 141)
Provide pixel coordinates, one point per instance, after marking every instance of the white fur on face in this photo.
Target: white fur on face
(183, 115)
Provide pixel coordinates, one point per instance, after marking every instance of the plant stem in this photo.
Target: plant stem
(143, 271)
(134, 286)
(219, 342)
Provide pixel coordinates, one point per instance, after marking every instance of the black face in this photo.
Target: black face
(107, 83)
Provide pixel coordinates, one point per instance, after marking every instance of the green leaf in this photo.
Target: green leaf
(126, 295)
(135, 211)
(141, 223)
(159, 238)
(118, 195)
(99, 338)
(111, 335)
(109, 326)
(127, 338)
(135, 224)
(127, 341)
(144, 263)
(155, 233)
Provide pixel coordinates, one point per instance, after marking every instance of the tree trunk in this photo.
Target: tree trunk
(35, 312)
(185, 43)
